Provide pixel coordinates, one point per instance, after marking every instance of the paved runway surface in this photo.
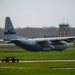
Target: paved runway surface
(46, 61)
(27, 67)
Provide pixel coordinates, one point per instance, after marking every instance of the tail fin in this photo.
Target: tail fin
(9, 32)
(9, 29)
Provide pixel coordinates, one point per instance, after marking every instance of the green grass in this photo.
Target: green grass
(37, 68)
(11, 50)
(39, 64)
(68, 54)
(35, 71)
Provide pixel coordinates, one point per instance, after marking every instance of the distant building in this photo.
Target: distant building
(64, 30)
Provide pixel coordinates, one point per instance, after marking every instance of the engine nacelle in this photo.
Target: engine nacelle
(61, 45)
(47, 48)
(74, 41)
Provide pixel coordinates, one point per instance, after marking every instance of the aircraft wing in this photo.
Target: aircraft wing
(67, 39)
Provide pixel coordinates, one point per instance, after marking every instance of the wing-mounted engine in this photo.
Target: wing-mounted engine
(44, 46)
(59, 45)
(74, 41)
(70, 40)
(47, 48)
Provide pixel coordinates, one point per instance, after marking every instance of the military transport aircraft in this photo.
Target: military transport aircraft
(35, 44)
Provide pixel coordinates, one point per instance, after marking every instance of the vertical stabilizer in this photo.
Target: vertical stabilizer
(9, 32)
(9, 29)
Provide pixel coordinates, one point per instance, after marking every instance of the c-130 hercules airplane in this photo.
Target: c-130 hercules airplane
(35, 44)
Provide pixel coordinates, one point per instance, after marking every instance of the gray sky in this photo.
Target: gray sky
(38, 13)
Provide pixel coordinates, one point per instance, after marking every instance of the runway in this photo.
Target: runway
(44, 61)
(23, 61)
(47, 61)
(28, 67)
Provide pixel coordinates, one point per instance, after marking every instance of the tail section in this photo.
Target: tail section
(9, 32)
(9, 29)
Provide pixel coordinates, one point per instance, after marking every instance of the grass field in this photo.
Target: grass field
(68, 54)
(37, 68)
(11, 50)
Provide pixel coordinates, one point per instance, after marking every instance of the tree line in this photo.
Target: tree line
(37, 32)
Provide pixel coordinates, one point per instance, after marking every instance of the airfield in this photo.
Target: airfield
(37, 63)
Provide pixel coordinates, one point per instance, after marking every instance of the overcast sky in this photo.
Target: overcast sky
(38, 13)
